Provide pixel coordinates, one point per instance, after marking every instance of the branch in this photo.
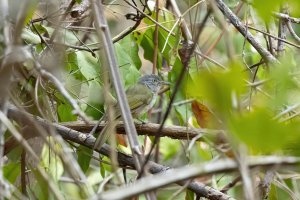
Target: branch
(63, 91)
(18, 136)
(123, 159)
(104, 35)
(150, 129)
(188, 172)
(267, 56)
(275, 37)
(293, 33)
(287, 17)
(282, 29)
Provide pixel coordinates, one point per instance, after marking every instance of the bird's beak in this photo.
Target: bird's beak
(165, 83)
(165, 87)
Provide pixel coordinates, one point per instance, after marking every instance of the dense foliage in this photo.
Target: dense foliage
(232, 109)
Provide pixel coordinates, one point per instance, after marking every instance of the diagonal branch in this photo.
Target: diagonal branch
(236, 22)
(123, 159)
(166, 174)
(104, 34)
(188, 172)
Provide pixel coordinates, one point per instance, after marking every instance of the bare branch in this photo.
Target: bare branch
(18, 136)
(275, 37)
(268, 57)
(192, 171)
(123, 159)
(150, 129)
(293, 33)
(287, 17)
(282, 29)
(104, 35)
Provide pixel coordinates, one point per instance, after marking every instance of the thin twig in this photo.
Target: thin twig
(293, 33)
(63, 91)
(104, 35)
(287, 17)
(231, 184)
(268, 57)
(275, 37)
(60, 21)
(149, 17)
(212, 46)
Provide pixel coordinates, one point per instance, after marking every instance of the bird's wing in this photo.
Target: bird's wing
(137, 96)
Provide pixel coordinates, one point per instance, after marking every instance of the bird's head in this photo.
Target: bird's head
(153, 82)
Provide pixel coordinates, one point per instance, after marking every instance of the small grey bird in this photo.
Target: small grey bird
(141, 98)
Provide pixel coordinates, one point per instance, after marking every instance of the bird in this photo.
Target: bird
(141, 98)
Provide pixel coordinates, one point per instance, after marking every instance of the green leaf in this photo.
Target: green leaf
(88, 66)
(264, 11)
(129, 45)
(72, 65)
(84, 157)
(95, 100)
(282, 85)
(102, 169)
(189, 195)
(261, 132)
(12, 171)
(52, 162)
(30, 37)
(169, 148)
(129, 71)
(146, 41)
(64, 112)
(41, 187)
(39, 29)
(173, 53)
